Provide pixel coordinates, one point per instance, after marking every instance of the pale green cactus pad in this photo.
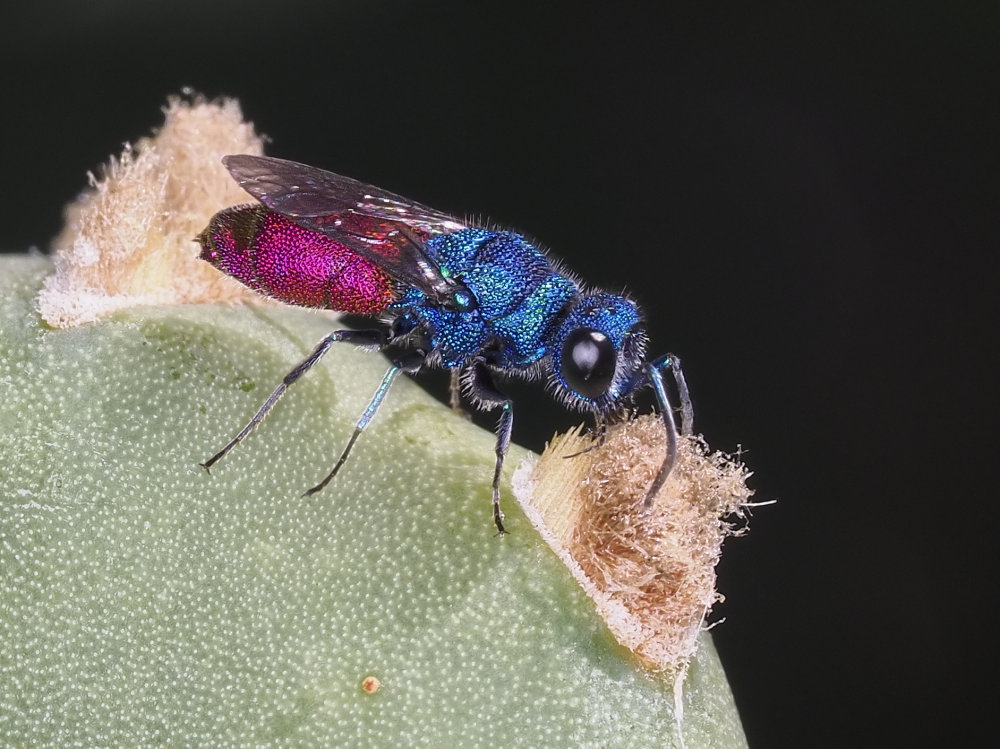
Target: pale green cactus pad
(144, 602)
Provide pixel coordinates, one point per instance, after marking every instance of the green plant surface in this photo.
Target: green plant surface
(145, 602)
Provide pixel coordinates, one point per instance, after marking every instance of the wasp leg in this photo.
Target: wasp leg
(673, 363)
(455, 393)
(357, 337)
(485, 392)
(410, 363)
(654, 371)
(602, 437)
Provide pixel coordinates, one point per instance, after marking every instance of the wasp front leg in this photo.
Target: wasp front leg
(654, 371)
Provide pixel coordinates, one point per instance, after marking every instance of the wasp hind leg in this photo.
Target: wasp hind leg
(411, 363)
(370, 338)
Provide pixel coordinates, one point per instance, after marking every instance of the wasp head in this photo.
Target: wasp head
(599, 353)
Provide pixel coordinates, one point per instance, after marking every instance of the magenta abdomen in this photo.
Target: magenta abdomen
(272, 255)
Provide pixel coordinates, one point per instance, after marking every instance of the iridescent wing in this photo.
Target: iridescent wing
(379, 225)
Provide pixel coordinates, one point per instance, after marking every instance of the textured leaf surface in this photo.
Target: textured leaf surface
(145, 602)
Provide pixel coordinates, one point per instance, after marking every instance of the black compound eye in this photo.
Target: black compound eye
(588, 362)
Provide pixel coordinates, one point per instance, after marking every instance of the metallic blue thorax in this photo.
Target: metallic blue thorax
(519, 298)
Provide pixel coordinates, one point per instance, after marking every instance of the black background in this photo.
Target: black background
(805, 200)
